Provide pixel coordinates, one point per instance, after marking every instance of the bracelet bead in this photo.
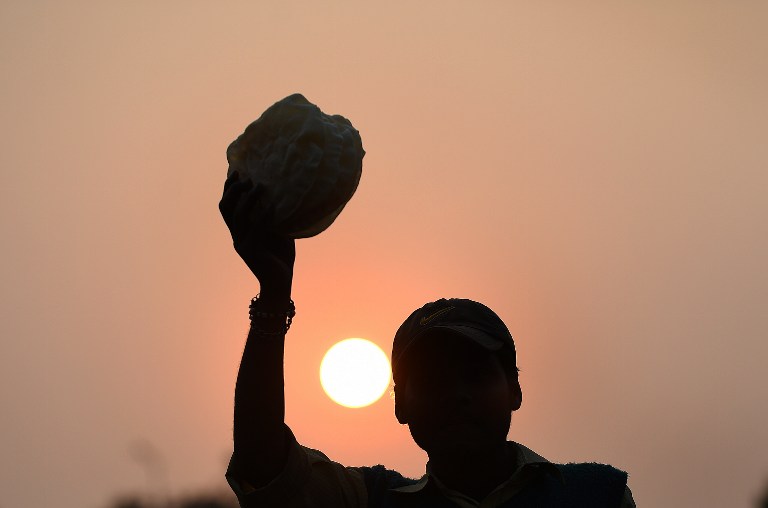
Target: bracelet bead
(256, 315)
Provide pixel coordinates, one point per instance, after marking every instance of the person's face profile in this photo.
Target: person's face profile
(456, 392)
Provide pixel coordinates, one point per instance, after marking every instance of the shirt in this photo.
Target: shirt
(310, 479)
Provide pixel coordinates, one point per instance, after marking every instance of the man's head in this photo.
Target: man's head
(456, 383)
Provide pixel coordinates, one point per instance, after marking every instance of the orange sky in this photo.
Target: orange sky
(594, 172)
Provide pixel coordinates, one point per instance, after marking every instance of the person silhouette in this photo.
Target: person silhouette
(456, 381)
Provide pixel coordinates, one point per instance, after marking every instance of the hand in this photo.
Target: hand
(269, 255)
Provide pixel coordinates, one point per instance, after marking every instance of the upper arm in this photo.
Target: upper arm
(309, 479)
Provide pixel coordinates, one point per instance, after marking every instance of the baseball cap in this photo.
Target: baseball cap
(467, 318)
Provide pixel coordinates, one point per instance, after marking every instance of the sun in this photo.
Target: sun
(355, 373)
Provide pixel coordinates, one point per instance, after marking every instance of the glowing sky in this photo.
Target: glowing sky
(595, 172)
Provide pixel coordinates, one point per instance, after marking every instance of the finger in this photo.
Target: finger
(246, 215)
(252, 204)
(232, 196)
(248, 218)
(234, 177)
(226, 208)
(269, 216)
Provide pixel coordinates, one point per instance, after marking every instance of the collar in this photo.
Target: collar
(528, 460)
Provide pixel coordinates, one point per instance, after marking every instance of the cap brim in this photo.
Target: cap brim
(482, 338)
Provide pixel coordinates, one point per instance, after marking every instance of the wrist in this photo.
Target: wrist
(271, 317)
(274, 298)
(270, 329)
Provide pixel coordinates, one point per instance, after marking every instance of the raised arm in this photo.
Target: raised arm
(259, 436)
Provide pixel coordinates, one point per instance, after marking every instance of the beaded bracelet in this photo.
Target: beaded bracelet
(256, 314)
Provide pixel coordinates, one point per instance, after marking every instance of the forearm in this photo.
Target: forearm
(259, 437)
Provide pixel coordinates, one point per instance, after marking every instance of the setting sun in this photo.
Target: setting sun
(355, 372)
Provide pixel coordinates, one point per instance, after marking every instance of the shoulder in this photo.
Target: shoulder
(593, 480)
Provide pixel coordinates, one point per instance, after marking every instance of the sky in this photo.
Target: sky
(595, 172)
